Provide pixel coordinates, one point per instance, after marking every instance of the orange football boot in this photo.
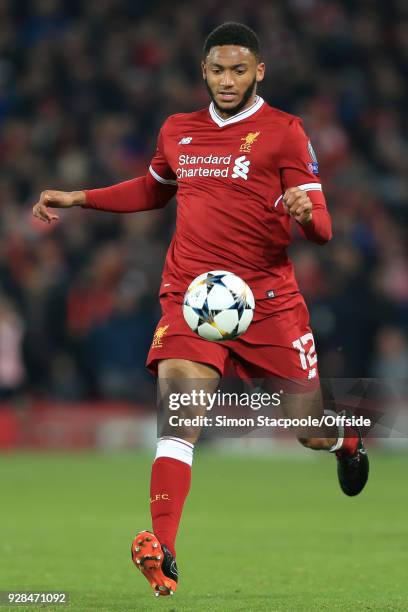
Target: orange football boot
(156, 562)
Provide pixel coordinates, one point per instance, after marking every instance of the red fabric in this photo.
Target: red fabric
(142, 193)
(295, 171)
(265, 350)
(169, 487)
(319, 229)
(226, 217)
(229, 179)
(350, 442)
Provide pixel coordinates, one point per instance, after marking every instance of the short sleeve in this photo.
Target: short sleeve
(298, 163)
(160, 168)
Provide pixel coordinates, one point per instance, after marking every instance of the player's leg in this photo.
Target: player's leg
(290, 361)
(346, 442)
(183, 363)
(308, 404)
(154, 552)
(171, 471)
(297, 353)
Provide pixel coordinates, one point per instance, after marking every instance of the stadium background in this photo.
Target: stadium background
(84, 88)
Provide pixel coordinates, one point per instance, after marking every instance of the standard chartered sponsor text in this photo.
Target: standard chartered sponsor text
(190, 160)
(185, 162)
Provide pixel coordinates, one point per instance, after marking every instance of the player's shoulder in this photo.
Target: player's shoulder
(280, 117)
(179, 120)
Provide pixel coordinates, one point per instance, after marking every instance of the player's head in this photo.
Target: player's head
(231, 66)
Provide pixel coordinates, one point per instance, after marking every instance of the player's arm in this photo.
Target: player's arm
(303, 197)
(143, 193)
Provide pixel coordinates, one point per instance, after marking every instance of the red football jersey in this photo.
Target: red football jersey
(230, 176)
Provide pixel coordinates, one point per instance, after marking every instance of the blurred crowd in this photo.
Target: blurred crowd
(84, 88)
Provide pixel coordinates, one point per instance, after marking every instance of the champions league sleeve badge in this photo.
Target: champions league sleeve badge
(314, 164)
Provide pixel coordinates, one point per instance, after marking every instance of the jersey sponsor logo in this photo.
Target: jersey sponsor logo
(159, 335)
(241, 167)
(186, 140)
(248, 141)
(211, 160)
(190, 166)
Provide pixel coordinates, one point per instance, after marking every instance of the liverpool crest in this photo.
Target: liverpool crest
(158, 336)
(248, 141)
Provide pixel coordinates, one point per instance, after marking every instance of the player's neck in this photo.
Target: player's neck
(228, 115)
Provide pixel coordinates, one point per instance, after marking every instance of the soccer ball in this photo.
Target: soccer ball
(218, 306)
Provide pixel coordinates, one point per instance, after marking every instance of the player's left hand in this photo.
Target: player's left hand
(298, 205)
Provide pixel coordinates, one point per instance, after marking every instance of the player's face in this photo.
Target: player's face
(231, 74)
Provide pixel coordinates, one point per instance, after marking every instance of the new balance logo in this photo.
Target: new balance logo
(186, 140)
(241, 168)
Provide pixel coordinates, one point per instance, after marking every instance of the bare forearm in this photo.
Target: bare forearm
(78, 198)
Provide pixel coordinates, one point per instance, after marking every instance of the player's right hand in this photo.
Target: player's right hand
(56, 199)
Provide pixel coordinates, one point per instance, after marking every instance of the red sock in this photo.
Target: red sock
(169, 487)
(350, 442)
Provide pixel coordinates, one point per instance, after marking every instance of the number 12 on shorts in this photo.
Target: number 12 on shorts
(307, 359)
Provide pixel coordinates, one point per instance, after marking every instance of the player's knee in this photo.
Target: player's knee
(182, 370)
(174, 369)
(314, 443)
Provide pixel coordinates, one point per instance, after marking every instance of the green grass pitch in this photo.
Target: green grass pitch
(259, 533)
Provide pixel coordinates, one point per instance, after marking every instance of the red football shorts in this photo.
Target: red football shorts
(278, 344)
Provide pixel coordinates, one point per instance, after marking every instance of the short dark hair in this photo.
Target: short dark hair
(232, 33)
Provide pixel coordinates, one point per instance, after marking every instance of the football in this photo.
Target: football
(218, 306)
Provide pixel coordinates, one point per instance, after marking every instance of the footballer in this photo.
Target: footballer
(242, 173)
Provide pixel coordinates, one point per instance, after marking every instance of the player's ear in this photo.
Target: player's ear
(204, 70)
(260, 72)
